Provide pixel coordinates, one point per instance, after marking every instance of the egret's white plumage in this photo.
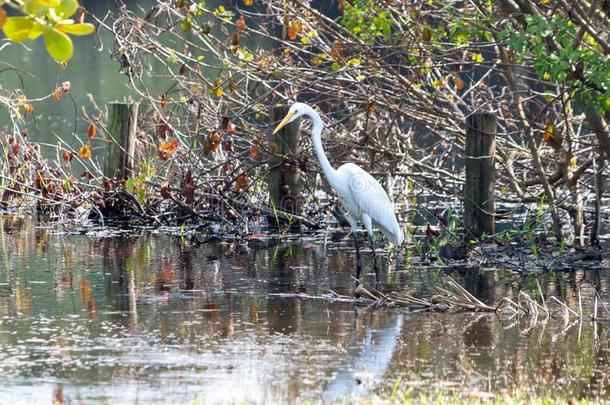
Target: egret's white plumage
(361, 195)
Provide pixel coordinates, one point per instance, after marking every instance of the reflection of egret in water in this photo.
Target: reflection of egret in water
(365, 370)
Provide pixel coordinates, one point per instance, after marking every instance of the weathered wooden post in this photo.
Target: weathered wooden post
(122, 125)
(479, 202)
(284, 175)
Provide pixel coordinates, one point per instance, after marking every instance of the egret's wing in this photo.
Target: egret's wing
(372, 200)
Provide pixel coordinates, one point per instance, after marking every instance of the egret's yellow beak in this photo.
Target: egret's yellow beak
(284, 122)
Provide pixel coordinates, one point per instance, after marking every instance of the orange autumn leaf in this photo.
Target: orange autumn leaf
(241, 182)
(85, 151)
(92, 131)
(294, 28)
(459, 84)
(28, 108)
(57, 94)
(241, 23)
(163, 101)
(165, 150)
(3, 16)
(253, 152)
(248, 2)
(67, 156)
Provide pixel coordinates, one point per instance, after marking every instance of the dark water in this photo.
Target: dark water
(154, 318)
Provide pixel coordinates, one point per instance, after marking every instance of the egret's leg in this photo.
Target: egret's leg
(354, 226)
(358, 259)
(368, 224)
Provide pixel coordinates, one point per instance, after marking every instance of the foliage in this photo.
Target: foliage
(51, 19)
(367, 20)
(578, 62)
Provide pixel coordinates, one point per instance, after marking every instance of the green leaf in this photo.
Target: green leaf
(17, 28)
(130, 185)
(78, 29)
(67, 8)
(36, 31)
(59, 45)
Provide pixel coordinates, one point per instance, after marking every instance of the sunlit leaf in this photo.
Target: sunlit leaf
(85, 151)
(477, 57)
(294, 29)
(549, 132)
(165, 150)
(248, 2)
(219, 91)
(17, 28)
(28, 108)
(78, 29)
(58, 44)
(57, 94)
(66, 8)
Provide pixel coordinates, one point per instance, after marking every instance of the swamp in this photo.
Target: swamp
(304, 202)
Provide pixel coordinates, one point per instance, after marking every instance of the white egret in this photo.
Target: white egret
(362, 196)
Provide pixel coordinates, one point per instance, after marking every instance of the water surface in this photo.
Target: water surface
(148, 317)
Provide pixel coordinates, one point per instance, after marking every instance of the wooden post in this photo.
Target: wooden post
(479, 202)
(283, 178)
(122, 125)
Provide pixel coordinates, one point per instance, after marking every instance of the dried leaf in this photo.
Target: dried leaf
(163, 101)
(248, 2)
(341, 6)
(165, 191)
(188, 187)
(253, 152)
(85, 151)
(57, 94)
(232, 85)
(28, 108)
(227, 146)
(92, 131)
(67, 156)
(235, 39)
(241, 182)
(212, 141)
(459, 84)
(3, 16)
(241, 23)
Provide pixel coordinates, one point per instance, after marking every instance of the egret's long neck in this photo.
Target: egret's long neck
(316, 137)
